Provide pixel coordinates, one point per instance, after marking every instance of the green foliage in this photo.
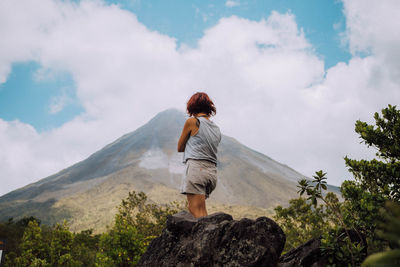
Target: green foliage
(337, 243)
(48, 246)
(85, 246)
(340, 249)
(380, 176)
(122, 246)
(350, 233)
(136, 224)
(300, 222)
(377, 180)
(25, 221)
(12, 231)
(361, 211)
(389, 229)
(60, 247)
(313, 189)
(148, 218)
(389, 258)
(389, 225)
(34, 250)
(385, 137)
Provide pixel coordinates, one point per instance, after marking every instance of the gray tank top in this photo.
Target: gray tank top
(204, 144)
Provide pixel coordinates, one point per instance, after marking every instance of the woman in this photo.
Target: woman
(199, 142)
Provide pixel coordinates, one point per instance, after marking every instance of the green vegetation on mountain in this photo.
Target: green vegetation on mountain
(349, 230)
(135, 225)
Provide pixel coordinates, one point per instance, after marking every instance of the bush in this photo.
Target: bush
(136, 224)
(348, 228)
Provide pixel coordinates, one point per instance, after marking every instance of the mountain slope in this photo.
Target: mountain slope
(146, 160)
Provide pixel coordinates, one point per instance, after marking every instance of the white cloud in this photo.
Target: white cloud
(231, 3)
(57, 103)
(270, 88)
(372, 27)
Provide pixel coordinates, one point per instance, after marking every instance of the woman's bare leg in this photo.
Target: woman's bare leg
(197, 205)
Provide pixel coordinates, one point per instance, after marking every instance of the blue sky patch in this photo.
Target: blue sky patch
(43, 103)
(48, 103)
(321, 21)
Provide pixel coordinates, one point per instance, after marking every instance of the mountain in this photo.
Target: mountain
(87, 193)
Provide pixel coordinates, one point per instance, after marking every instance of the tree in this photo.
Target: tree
(341, 242)
(136, 224)
(301, 222)
(376, 180)
(13, 231)
(352, 235)
(85, 246)
(380, 175)
(34, 251)
(123, 245)
(389, 229)
(148, 218)
(60, 247)
(52, 246)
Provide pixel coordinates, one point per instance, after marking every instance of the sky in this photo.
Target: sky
(289, 78)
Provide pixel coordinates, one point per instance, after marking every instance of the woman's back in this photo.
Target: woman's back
(203, 145)
(199, 141)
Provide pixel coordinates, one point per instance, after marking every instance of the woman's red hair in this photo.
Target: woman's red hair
(200, 103)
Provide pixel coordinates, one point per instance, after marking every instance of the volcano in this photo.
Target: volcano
(87, 193)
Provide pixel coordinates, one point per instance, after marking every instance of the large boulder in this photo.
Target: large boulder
(307, 255)
(215, 240)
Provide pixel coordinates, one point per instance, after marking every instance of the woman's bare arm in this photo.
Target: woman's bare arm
(187, 129)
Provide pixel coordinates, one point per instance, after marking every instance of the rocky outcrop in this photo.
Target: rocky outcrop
(307, 255)
(215, 240)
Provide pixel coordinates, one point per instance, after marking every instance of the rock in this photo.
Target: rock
(215, 240)
(307, 255)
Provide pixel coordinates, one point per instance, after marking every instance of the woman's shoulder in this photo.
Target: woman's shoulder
(191, 120)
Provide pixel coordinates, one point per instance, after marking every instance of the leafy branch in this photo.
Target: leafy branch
(313, 190)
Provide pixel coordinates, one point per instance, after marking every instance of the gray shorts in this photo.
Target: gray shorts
(200, 177)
